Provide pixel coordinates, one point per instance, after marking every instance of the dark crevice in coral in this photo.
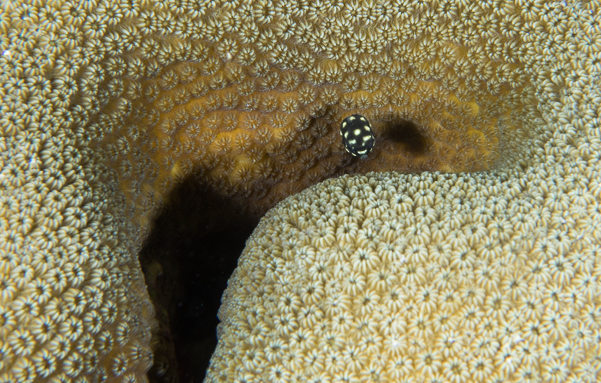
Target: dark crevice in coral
(190, 254)
(406, 135)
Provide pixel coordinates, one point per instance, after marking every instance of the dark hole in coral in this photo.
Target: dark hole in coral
(190, 254)
(404, 133)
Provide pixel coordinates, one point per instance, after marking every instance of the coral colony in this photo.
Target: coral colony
(476, 258)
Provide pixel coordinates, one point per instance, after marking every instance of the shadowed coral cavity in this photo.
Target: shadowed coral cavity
(253, 107)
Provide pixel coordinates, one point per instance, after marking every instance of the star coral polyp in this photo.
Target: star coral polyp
(107, 106)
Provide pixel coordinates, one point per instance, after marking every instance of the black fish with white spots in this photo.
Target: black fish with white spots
(357, 135)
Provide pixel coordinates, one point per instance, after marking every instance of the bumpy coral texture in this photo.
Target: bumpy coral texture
(73, 303)
(249, 97)
(107, 104)
(407, 278)
(252, 96)
(484, 277)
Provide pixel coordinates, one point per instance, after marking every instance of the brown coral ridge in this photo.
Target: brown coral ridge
(258, 133)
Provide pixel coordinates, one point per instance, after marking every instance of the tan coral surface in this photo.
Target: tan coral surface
(484, 277)
(106, 105)
(418, 278)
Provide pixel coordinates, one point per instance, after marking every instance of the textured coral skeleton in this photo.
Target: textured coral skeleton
(107, 105)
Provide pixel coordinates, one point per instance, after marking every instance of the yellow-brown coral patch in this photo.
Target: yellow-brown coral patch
(246, 124)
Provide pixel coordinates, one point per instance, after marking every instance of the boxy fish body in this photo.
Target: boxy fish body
(357, 135)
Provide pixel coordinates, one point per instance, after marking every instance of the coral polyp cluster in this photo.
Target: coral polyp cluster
(108, 105)
(378, 278)
(250, 98)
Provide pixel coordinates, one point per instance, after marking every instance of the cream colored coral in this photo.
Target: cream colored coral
(91, 139)
(73, 303)
(477, 299)
(486, 277)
